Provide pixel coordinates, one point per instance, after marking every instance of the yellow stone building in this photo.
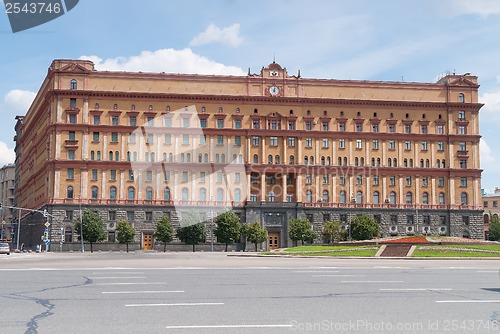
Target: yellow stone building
(272, 146)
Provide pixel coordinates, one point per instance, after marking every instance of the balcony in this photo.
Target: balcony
(462, 154)
(71, 143)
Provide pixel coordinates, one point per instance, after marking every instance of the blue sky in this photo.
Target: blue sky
(394, 40)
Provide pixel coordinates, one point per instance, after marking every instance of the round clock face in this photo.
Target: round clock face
(274, 90)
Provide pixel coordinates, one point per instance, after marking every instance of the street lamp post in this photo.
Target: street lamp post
(81, 225)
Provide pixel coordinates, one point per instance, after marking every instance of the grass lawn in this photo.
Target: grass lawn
(329, 251)
(458, 251)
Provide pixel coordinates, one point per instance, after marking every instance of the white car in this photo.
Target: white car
(4, 248)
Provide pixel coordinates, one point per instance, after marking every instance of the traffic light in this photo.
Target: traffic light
(0, 206)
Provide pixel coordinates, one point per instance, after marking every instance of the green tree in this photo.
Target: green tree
(494, 228)
(228, 228)
(254, 233)
(301, 229)
(364, 227)
(164, 231)
(125, 232)
(93, 228)
(333, 231)
(191, 234)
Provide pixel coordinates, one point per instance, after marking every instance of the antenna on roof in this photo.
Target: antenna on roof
(274, 57)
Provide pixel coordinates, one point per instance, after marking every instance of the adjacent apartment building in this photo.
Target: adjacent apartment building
(7, 179)
(270, 145)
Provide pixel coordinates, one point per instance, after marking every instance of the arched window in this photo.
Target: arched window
(339, 161)
(166, 194)
(110, 156)
(205, 158)
(188, 157)
(359, 197)
(376, 197)
(326, 196)
(149, 194)
(203, 194)
(461, 97)
(373, 162)
(362, 161)
(427, 163)
(389, 162)
(308, 196)
(425, 198)
(135, 156)
(200, 158)
(95, 191)
(220, 195)
(112, 193)
(92, 155)
(311, 160)
(170, 157)
(130, 193)
(277, 159)
(395, 162)
(409, 198)
(392, 197)
(69, 192)
(437, 163)
(356, 161)
(405, 162)
(73, 84)
(255, 159)
(306, 160)
(132, 107)
(68, 234)
(146, 156)
(322, 160)
(98, 155)
(345, 161)
(411, 163)
(421, 163)
(342, 196)
(237, 195)
(115, 106)
(96, 106)
(223, 158)
(464, 198)
(271, 196)
(240, 158)
(378, 162)
(117, 156)
(328, 161)
(185, 194)
(292, 160)
(269, 159)
(234, 158)
(441, 199)
(128, 155)
(182, 157)
(443, 163)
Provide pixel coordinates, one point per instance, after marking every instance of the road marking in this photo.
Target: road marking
(124, 273)
(487, 271)
(149, 291)
(114, 277)
(418, 289)
(131, 283)
(468, 301)
(371, 282)
(227, 326)
(176, 304)
(316, 271)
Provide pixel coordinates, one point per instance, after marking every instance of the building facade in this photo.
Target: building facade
(491, 205)
(7, 179)
(271, 146)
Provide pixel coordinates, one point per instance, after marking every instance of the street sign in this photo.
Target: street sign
(46, 229)
(47, 242)
(47, 224)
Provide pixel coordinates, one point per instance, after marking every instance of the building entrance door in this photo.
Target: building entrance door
(147, 241)
(273, 240)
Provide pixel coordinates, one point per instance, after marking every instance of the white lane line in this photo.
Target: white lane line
(338, 275)
(418, 289)
(120, 273)
(468, 301)
(316, 271)
(131, 283)
(149, 291)
(227, 326)
(115, 277)
(371, 281)
(487, 271)
(175, 304)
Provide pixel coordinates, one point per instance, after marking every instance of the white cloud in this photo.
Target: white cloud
(165, 60)
(18, 101)
(213, 34)
(7, 155)
(491, 106)
(485, 152)
(483, 8)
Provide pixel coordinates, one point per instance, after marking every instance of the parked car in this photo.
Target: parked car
(4, 248)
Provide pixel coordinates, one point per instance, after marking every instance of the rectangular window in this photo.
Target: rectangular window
(219, 177)
(392, 128)
(151, 121)
(440, 129)
(463, 164)
(408, 181)
(462, 130)
(237, 177)
(112, 175)
(408, 145)
(392, 180)
(168, 139)
(273, 141)
(95, 137)
(72, 119)
(185, 139)
(185, 176)
(94, 174)
(97, 119)
(131, 138)
(359, 143)
(291, 141)
(342, 179)
(359, 180)
(133, 120)
(255, 141)
(149, 175)
(291, 125)
(324, 143)
(220, 140)
(461, 114)
(111, 215)
(375, 144)
(441, 182)
(115, 120)
(374, 127)
(203, 123)
(114, 137)
(72, 103)
(166, 176)
(149, 138)
(131, 175)
(168, 122)
(325, 126)
(425, 181)
(463, 182)
(71, 154)
(440, 146)
(462, 146)
(325, 179)
(359, 127)
(407, 128)
(308, 178)
(185, 122)
(237, 140)
(253, 198)
(202, 177)
(375, 180)
(255, 124)
(392, 145)
(130, 216)
(424, 146)
(341, 127)
(237, 124)
(424, 129)
(71, 173)
(149, 216)
(308, 125)
(341, 143)
(220, 124)
(308, 142)
(203, 140)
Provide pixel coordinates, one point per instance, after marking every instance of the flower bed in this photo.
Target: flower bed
(409, 240)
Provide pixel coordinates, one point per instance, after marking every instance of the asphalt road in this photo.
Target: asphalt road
(214, 293)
